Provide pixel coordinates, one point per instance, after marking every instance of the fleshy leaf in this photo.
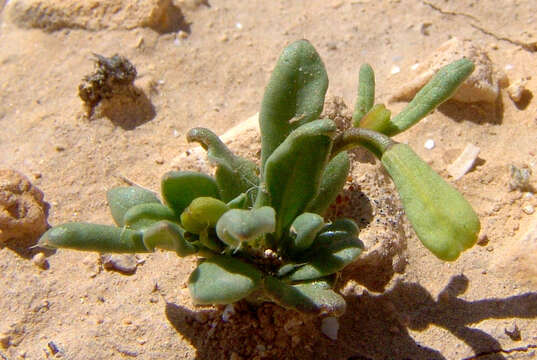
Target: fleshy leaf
(443, 220)
(202, 213)
(234, 174)
(141, 216)
(439, 89)
(237, 226)
(93, 237)
(366, 93)
(334, 248)
(168, 236)
(293, 172)
(120, 199)
(179, 188)
(332, 182)
(223, 280)
(294, 95)
(303, 231)
(313, 297)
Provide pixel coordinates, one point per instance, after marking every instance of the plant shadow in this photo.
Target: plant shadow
(479, 113)
(377, 326)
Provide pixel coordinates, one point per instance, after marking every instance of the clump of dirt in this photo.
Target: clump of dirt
(244, 331)
(23, 212)
(110, 92)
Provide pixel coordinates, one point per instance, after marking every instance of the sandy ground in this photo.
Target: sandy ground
(210, 70)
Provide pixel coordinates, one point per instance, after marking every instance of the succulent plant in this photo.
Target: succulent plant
(259, 232)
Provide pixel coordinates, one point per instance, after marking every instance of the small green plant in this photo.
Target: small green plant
(260, 232)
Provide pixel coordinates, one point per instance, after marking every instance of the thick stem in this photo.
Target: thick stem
(373, 141)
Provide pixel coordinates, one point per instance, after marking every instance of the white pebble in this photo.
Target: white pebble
(415, 66)
(238, 26)
(40, 260)
(330, 327)
(464, 162)
(508, 67)
(228, 311)
(395, 70)
(429, 144)
(528, 209)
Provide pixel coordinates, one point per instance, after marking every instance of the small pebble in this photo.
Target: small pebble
(482, 240)
(516, 90)
(59, 148)
(429, 144)
(40, 260)
(330, 327)
(395, 70)
(229, 310)
(415, 66)
(238, 26)
(528, 209)
(508, 67)
(124, 263)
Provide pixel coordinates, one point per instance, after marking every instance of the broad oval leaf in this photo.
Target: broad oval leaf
(223, 280)
(237, 226)
(179, 188)
(141, 216)
(293, 172)
(294, 95)
(122, 198)
(312, 297)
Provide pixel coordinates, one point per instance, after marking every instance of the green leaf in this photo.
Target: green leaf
(313, 297)
(440, 88)
(121, 199)
(378, 119)
(443, 220)
(234, 174)
(294, 95)
(335, 247)
(366, 93)
(332, 182)
(179, 188)
(237, 226)
(141, 216)
(168, 236)
(223, 280)
(293, 172)
(202, 213)
(93, 237)
(303, 231)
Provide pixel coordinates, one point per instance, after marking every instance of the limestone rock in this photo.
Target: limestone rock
(481, 86)
(51, 15)
(23, 213)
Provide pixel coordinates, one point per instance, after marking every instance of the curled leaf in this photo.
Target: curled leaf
(237, 226)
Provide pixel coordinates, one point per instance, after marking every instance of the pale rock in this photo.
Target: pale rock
(516, 90)
(481, 85)
(124, 263)
(464, 162)
(51, 15)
